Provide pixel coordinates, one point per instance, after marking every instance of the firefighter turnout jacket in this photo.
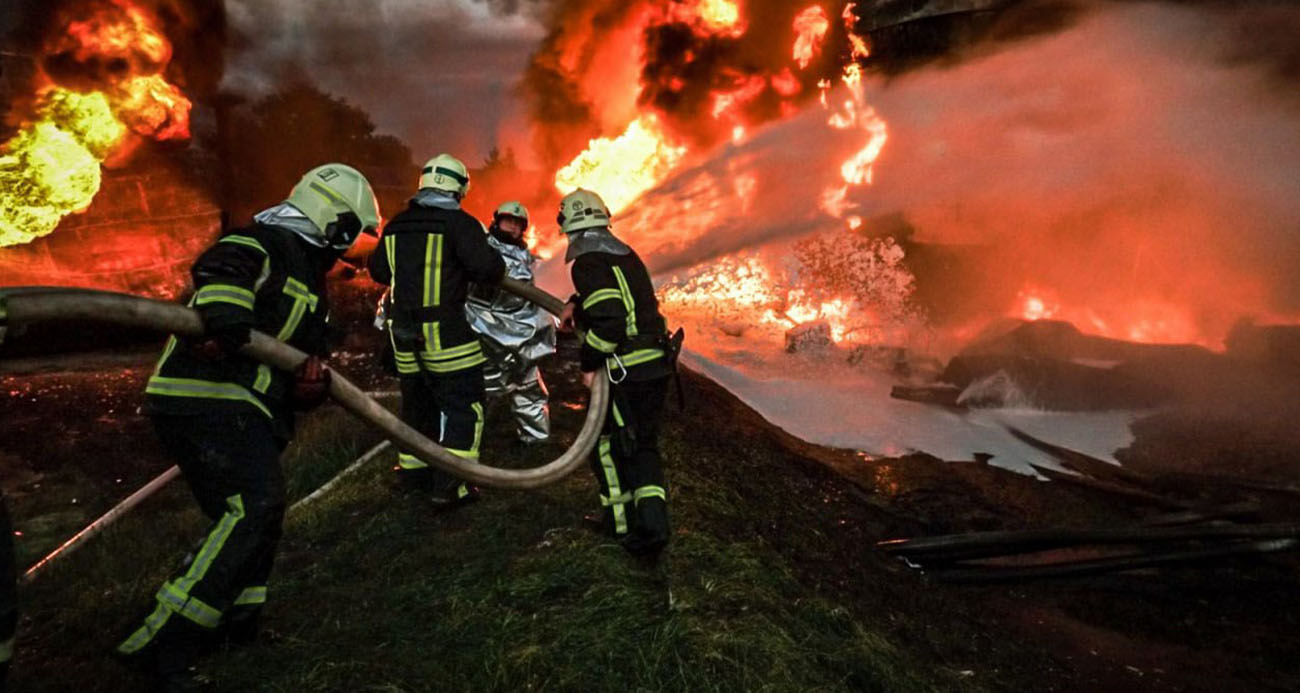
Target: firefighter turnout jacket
(618, 309)
(429, 255)
(263, 278)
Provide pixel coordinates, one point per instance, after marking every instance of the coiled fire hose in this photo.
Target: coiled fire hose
(27, 305)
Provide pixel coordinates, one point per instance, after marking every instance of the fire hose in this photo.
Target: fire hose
(27, 305)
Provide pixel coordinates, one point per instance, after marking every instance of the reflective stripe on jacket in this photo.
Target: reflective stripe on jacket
(260, 277)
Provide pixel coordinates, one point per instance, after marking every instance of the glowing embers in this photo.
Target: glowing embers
(623, 167)
(858, 286)
(51, 167)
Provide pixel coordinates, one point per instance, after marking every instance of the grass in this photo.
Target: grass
(771, 583)
(511, 594)
(77, 610)
(374, 591)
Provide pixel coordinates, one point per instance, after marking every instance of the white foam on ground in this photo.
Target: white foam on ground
(822, 399)
(837, 405)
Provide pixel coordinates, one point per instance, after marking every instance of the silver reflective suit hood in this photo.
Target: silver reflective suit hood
(516, 334)
(286, 216)
(436, 199)
(597, 240)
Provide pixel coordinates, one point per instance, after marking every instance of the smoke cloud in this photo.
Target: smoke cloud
(438, 75)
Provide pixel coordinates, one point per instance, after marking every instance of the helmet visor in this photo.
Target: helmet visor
(344, 231)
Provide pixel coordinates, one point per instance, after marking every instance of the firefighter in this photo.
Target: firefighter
(516, 333)
(225, 418)
(616, 305)
(428, 255)
(8, 592)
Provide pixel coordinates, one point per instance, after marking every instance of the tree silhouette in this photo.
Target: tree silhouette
(264, 147)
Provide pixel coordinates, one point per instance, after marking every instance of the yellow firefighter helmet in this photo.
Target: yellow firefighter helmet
(582, 209)
(329, 192)
(446, 173)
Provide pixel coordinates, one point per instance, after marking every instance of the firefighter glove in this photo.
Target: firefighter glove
(311, 384)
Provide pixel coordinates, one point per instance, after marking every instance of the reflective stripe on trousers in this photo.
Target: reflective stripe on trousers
(407, 461)
(615, 500)
(174, 597)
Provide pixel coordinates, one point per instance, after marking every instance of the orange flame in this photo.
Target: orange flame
(786, 84)
(153, 106)
(857, 43)
(748, 90)
(811, 26)
(106, 33)
(854, 113)
(1145, 320)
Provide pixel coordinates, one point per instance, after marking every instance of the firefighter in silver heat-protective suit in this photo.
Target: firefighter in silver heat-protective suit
(516, 333)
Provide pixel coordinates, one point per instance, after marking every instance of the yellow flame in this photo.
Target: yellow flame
(50, 169)
(719, 15)
(620, 169)
(709, 17)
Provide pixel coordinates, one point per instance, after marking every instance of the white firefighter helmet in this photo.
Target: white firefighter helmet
(446, 173)
(582, 209)
(331, 196)
(512, 209)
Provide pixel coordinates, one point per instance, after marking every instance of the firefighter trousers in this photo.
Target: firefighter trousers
(629, 469)
(232, 464)
(446, 408)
